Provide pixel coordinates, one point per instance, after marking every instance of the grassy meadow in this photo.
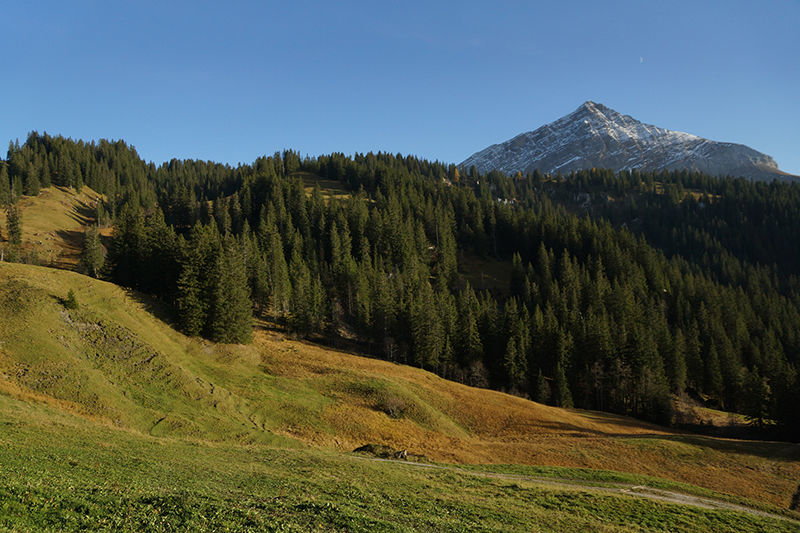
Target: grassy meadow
(53, 224)
(112, 420)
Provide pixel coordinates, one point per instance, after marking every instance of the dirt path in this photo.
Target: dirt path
(626, 489)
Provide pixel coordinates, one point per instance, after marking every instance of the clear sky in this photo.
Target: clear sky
(229, 81)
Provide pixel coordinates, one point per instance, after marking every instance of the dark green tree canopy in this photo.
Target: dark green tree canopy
(601, 290)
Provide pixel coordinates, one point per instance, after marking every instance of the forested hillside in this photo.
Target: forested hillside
(624, 289)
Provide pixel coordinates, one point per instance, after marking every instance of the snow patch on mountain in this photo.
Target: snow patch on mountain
(597, 136)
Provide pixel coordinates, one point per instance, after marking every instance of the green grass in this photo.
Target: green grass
(53, 223)
(111, 420)
(611, 478)
(329, 189)
(63, 473)
(112, 360)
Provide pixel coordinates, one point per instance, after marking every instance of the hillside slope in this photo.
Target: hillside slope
(53, 224)
(114, 363)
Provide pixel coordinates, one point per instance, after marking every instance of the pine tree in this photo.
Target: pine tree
(93, 255)
(190, 304)
(515, 331)
(280, 286)
(301, 308)
(470, 345)
(16, 187)
(32, 184)
(14, 224)
(757, 398)
(676, 363)
(193, 287)
(71, 302)
(384, 313)
(713, 384)
(5, 185)
(542, 392)
(257, 273)
(563, 395)
(517, 276)
(230, 310)
(427, 333)
(127, 250)
(159, 267)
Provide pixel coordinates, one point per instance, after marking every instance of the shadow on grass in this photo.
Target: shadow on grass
(157, 307)
(777, 451)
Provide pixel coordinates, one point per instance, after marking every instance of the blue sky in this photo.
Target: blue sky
(229, 81)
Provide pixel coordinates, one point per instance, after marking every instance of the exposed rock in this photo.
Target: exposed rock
(597, 136)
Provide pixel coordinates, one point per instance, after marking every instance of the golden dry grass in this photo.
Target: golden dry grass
(54, 221)
(330, 189)
(284, 392)
(469, 425)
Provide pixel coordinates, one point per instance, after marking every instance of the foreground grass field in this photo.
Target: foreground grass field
(61, 472)
(111, 419)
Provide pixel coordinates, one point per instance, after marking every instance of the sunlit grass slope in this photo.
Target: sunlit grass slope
(61, 472)
(112, 372)
(53, 223)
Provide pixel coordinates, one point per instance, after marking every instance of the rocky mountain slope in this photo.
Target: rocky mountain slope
(597, 136)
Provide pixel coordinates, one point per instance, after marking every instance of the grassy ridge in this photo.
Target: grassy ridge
(153, 421)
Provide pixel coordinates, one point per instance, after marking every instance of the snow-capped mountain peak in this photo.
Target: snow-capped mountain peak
(595, 135)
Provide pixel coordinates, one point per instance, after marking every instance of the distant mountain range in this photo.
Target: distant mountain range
(597, 136)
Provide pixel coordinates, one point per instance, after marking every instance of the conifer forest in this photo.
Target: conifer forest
(622, 290)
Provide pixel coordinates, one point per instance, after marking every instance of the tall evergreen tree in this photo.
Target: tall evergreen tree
(93, 255)
(14, 224)
(542, 392)
(127, 250)
(193, 289)
(427, 333)
(230, 309)
(563, 396)
(5, 185)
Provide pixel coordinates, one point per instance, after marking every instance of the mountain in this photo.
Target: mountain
(596, 136)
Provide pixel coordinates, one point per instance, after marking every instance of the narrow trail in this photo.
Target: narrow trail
(625, 489)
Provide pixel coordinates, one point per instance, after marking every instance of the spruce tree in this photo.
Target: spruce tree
(542, 392)
(5, 185)
(230, 309)
(301, 312)
(127, 250)
(16, 187)
(193, 287)
(32, 184)
(713, 384)
(563, 395)
(14, 224)
(470, 345)
(189, 301)
(93, 255)
(427, 334)
(71, 302)
(676, 363)
(278, 282)
(757, 398)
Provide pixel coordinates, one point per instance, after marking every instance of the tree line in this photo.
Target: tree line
(623, 289)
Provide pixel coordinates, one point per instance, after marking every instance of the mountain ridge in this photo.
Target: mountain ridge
(595, 135)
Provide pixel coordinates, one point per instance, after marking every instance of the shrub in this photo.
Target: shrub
(71, 302)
